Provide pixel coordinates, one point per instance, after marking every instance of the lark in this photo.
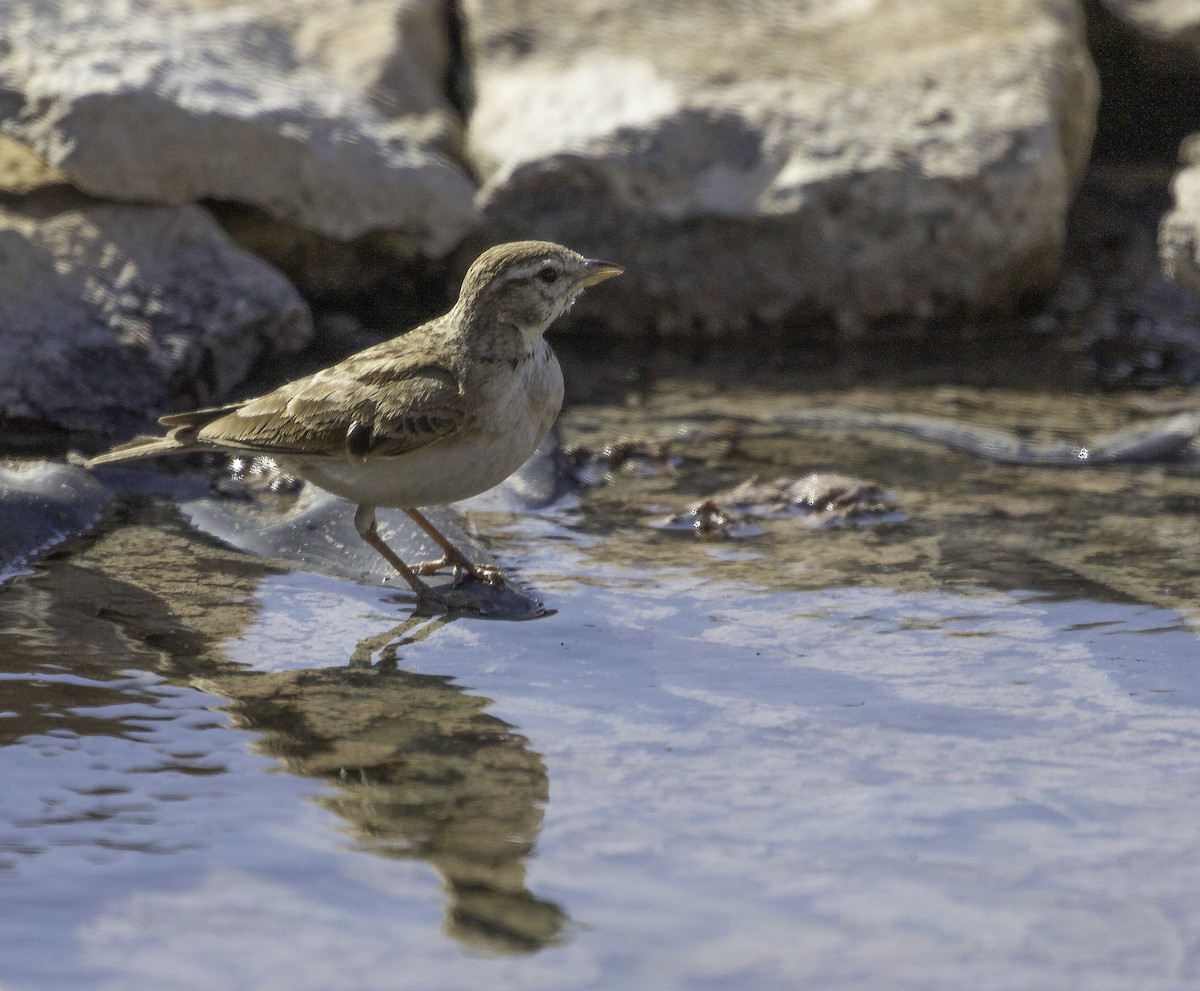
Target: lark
(437, 414)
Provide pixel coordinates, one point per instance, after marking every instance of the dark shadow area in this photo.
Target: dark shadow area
(1149, 101)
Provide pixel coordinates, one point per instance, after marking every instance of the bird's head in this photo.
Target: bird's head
(528, 284)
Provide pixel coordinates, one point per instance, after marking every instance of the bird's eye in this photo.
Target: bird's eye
(548, 275)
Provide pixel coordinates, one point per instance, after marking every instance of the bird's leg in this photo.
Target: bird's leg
(364, 523)
(452, 557)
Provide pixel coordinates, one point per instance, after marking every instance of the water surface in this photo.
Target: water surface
(954, 752)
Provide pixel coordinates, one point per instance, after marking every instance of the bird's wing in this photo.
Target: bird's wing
(370, 405)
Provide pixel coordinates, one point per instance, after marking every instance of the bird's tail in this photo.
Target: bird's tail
(145, 446)
(182, 437)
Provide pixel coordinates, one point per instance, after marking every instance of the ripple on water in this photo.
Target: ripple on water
(821, 760)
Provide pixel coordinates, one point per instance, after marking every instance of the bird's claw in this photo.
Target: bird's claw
(463, 569)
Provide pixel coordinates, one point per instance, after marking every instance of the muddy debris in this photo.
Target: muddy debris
(823, 499)
(629, 457)
(710, 519)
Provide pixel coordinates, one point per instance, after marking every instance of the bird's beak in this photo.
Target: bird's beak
(597, 271)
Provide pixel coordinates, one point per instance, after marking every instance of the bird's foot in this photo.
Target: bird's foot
(463, 569)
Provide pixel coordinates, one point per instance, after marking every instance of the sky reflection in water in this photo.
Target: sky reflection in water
(675, 782)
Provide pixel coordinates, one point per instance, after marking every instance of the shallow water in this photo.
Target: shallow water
(954, 752)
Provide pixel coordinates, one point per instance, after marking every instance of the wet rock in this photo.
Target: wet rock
(42, 504)
(316, 529)
(854, 160)
(710, 519)
(824, 499)
(252, 504)
(328, 116)
(635, 457)
(109, 312)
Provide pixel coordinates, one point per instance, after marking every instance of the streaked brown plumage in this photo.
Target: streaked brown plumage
(435, 415)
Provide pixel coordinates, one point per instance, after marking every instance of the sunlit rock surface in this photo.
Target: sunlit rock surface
(110, 312)
(327, 117)
(858, 160)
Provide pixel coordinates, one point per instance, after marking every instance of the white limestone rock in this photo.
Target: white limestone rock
(113, 313)
(754, 164)
(324, 114)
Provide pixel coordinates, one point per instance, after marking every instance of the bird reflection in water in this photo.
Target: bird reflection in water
(418, 769)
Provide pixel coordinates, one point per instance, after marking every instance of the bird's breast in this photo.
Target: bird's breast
(512, 409)
(523, 396)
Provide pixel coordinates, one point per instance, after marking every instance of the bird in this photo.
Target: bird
(439, 413)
